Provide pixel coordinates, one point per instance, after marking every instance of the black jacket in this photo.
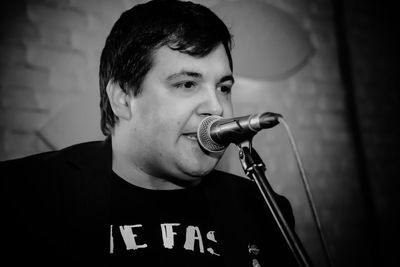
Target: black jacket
(55, 211)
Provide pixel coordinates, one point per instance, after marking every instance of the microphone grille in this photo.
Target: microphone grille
(203, 135)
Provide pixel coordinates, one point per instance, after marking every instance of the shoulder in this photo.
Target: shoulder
(44, 168)
(246, 191)
(222, 177)
(231, 183)
(53, 156)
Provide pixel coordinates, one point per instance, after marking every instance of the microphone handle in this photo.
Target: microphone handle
(233, 130)
(239, 129)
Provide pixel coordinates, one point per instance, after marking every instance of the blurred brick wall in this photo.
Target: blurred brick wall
(49, 59)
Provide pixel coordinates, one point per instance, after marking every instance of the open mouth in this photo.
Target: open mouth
(191, 136)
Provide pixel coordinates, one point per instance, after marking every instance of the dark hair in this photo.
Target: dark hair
(127, 55)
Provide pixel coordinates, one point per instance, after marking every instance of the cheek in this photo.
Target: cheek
(172, 116)
(162, 127)
(228, 109)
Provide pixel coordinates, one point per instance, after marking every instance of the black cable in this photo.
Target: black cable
(308, 192)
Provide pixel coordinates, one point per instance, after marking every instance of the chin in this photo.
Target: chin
(197, 166)
(200, 173)
(201, 170)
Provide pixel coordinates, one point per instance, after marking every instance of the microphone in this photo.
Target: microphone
(215, 133)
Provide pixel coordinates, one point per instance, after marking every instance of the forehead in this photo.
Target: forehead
(167, 62)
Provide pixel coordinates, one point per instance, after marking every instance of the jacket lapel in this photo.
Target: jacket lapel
(86, 208)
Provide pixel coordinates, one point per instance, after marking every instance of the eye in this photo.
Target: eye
(186, 85)
(225, 89)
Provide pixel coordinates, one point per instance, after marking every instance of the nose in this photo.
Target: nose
(211, 104)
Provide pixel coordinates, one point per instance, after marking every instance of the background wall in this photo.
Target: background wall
(340, 106)
(368, 36)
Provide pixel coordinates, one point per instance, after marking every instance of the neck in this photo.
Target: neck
(125, 166)
(128, 171)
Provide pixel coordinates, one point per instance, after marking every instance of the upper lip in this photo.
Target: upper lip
(188, 133)
(193, 133)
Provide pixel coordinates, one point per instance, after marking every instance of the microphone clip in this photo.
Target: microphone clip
(249, 158)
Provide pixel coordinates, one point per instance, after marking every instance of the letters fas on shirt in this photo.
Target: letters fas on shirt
(168, 232)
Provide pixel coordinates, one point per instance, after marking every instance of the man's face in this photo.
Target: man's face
(177, 93)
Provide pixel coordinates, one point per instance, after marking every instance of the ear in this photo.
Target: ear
(119, 100)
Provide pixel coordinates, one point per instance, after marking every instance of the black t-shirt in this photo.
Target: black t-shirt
(161, 227)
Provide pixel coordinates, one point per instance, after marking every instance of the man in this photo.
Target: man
(148, 195)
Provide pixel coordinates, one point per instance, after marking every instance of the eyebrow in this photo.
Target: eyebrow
(184, 73)
(198, 75)
(228, 78)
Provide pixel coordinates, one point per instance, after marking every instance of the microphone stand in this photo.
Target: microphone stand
(254, 168)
